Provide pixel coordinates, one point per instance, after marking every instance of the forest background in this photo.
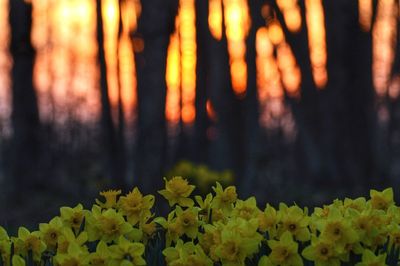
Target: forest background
(289, 100)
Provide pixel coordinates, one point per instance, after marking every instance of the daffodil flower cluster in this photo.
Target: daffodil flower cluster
(201, 176)
(220, 229)
(113, 232)
(213, 229)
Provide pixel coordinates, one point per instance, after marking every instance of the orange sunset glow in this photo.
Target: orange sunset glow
(291, 13)
(5, 65)
(291, 76)
(365, 14)
(237, 23)
(64, 35)
(317, 41)
(66, 73)
(215, 18)
(187, 31)
(173, 78)
(181, 66)
(384, 40)
(268, 77)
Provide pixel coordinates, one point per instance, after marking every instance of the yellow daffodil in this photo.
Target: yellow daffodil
(205, 206)
(73, 217)
(135, 235)
(188, 221)
(173, 229)
(111, 197)
(246, 209)
(293, 220)
(321, 252)
(177, 190)
(365, 224)
(101, 256)
(381, 200)
(358, 204)
(134, 205)
(370, 259)
(238, 240)
(284, 251)
(148, 226)
(243, 228)
(186, 254)
(18, 261)
(224, 198)
(268, 220)
(106, 225)
(28, 242)
(218, 215)
(337, 230)
(361, 221)
(126, 252)
(76, 255)
(233, 250)
(321, 212)
(393, 214)
(265, 261)
(209, 240)
(67, 237)
(3, 234)
(394, 236)
(173, 254)
(5, 246)
(51, 231)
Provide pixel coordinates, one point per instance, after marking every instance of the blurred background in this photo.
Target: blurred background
(290, 100)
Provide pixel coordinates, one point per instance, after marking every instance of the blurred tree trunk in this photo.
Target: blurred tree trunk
(226, 149)
(336, 124)
(305, 108)
(250, 102)
(155, 25)
(111, 157)
(202, 122)
(348, 102)
(394, 121)
(121, 161)
(25, 116)
(396, 63)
